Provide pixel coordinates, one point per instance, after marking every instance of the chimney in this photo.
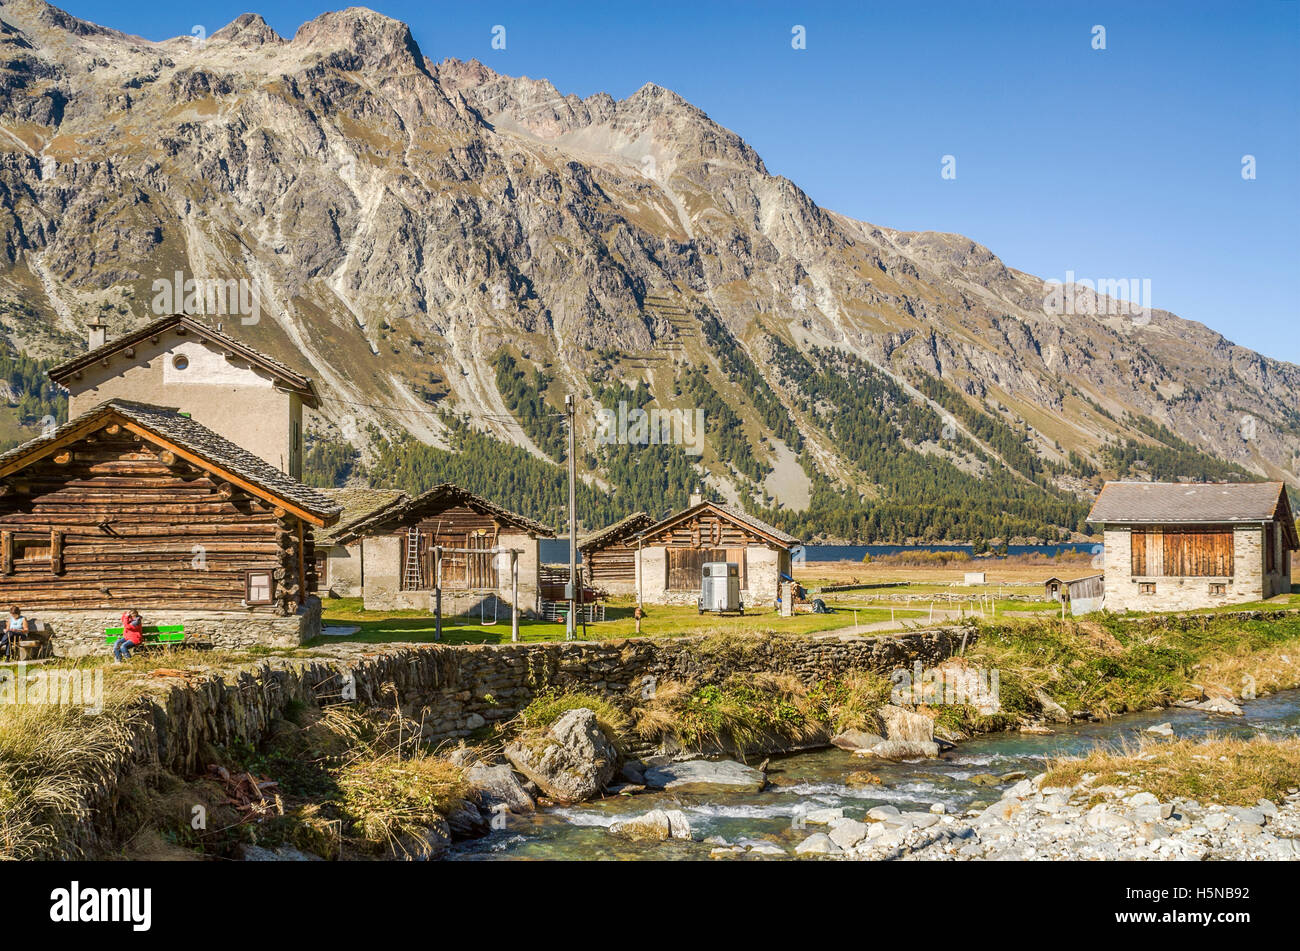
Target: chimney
(98, 332)
(696, 499)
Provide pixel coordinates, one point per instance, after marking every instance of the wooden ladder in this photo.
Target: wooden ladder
(412, 576)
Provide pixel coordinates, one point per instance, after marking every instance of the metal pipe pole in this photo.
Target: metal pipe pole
(514, 597)
(437, 593)
(570, 410)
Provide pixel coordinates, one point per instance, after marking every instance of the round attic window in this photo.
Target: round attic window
(180, 361)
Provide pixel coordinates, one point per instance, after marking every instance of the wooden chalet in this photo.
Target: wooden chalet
(134, 505)
(609, 555)
(1170, 546)
(673, 551)
(457, 537)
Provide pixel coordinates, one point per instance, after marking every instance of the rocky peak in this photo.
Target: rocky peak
(360, 37)
(248, 30)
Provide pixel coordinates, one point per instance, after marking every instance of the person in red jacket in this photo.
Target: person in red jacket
(132, 634)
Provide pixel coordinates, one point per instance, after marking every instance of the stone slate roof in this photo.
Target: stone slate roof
(358, 503)
(289, 378)
(182, 431)
(627, 527)
(731, 512)
(437, 499)
(1172, 503)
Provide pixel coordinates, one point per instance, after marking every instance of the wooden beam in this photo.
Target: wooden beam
(7, 553)
(56, 551)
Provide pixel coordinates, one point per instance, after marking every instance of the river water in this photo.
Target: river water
(816, 779)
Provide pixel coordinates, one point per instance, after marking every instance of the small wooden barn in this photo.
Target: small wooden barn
(340, 568)
(449, 532)
(1081, 594)
(672, 553)
(1173, 546)
(609, 555)
(134, 505)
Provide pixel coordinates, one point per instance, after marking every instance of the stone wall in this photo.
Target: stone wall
(344, 571)
(454, 690)
(79, 633)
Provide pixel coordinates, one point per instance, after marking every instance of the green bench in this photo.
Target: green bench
(160, 635)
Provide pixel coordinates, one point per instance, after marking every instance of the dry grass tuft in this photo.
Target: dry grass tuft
(1223, 770)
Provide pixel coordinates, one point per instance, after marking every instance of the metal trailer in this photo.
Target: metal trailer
(720, 588)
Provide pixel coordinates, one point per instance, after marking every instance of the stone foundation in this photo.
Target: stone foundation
(79, 633)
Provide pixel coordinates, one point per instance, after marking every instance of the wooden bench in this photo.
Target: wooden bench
(154, 635)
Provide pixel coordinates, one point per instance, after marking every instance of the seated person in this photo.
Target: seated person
(132, 635)
(14, 629)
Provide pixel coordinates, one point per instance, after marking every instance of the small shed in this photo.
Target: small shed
(1082, 594)
(340, 570)
(400, 543)
(609, 555)
(672, 554)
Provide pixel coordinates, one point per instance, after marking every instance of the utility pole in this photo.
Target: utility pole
(569, 627)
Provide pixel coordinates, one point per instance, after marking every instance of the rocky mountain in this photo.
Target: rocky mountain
(448, 251)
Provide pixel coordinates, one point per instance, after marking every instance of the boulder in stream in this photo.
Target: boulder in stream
(856, 740)
(705, 776)
(570, 762)
(656, 825)
(498, 786)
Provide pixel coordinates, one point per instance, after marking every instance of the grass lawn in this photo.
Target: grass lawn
(380, 627)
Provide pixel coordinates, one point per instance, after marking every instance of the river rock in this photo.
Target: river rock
(819, 843)
(984, 779)
(1052, 710)
(883, 813)
(498, 785)
(421, 846)
(904, 725)
(1162, 729)
(1220, 705)
(821, 817)
(467, 822)
(571, 762)
(856, 740)
(657, 824)
(848, 833)
(705, 776)
(901, 749)
(862, 777)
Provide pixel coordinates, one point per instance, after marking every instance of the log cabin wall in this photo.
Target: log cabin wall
(611, 565)
(113, 521)
(456, 527)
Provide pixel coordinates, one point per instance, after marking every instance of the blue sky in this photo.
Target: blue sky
(1117, 163)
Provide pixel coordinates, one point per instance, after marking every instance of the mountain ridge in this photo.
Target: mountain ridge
(407, 222)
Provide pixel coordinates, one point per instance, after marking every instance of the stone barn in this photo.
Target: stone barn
(672, 552)
(1176, 546)
(401, 544)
